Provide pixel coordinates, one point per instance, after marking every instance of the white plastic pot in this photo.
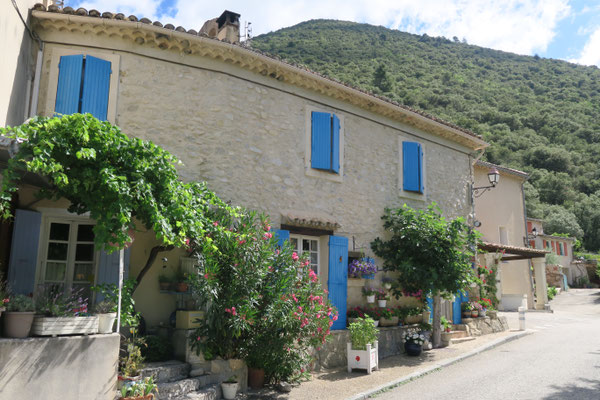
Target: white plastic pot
(229, 390)
(371, 299)
(106, 322)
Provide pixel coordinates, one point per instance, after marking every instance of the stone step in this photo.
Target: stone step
(454, 335)
(174, 390)
(212, 392)
(459, 327)
(461, 340)
(166, 371)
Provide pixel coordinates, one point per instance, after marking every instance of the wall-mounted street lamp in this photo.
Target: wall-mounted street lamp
(493, 177)
(534, 233)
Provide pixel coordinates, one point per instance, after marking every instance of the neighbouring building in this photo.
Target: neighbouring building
(500, 212)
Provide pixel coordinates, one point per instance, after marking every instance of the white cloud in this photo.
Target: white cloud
(521, 26)
(590, 55)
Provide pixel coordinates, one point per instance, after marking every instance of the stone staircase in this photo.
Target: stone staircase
(459, 334)
(175, 383)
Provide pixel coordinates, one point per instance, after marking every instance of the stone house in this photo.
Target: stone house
(501, 219)
(560, 246)
(322, 159)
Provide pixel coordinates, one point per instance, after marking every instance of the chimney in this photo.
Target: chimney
(227, 26)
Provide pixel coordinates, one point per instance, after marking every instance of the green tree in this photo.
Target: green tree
(382, 79)
(559, 219)
(429, 252)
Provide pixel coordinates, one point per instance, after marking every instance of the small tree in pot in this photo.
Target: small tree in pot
(363, 347)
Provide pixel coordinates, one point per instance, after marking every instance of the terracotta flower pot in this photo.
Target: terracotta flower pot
(17, 324)
(256, 378)
(181, 287)
(474, 313)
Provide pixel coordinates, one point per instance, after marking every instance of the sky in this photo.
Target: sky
(563, 29)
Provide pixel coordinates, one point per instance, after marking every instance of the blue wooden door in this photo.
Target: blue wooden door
(456, 310)
(338, 278)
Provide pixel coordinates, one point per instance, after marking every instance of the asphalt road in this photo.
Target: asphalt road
(560, 360)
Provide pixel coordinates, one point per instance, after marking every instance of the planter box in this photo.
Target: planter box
(389, 322)
(188, 319)
(365, 359)
(54, 326)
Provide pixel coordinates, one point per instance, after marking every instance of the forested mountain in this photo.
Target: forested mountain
(540, 115)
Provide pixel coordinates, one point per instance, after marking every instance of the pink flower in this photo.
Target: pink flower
(294, 256)
(6, 300)
(335, 317)
(306, 262)
(215, 223)
(205, 276)
(233, 311)
(242, 241)
(267, 228)
(187, 242)
(268, 235)
(198, 338)
(299, 308)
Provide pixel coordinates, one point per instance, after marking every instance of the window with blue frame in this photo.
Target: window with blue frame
(83, 85)
(413, 179)
(325, 142)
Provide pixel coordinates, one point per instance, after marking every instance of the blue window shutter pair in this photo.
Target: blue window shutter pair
(412, 167)
(338, 278)
(325, 142)
(87, 95)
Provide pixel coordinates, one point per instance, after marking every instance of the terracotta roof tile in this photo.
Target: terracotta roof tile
(133, 18)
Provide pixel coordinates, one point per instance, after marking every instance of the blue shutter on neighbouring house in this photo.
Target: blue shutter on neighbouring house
(96, 83)
(412, 167)
(338, 278)
(108, 269)
(335, 144)
(281, 235)
(69, 84)
(321, 141)
(430, 307)
(24, 251)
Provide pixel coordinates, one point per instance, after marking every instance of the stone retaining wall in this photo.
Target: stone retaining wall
(485, 325)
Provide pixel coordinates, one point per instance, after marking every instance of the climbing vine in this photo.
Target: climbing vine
(119, 180)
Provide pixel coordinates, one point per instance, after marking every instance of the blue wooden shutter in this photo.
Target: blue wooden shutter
(69, 84)
(338, 278)
(96, 83)
(335, 144)
(421, 172)
(108, 269)
(430, 306)
(24, 251)
(282, 235)
(411, 163)
(321, 141)
(456, 310)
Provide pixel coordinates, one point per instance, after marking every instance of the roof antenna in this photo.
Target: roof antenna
(247, 33)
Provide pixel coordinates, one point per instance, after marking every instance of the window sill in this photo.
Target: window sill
(330, 176)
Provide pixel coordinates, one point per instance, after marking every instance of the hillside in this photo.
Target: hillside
(540, 115)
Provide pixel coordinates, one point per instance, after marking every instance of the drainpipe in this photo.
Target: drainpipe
(36, 80)
(526, 237)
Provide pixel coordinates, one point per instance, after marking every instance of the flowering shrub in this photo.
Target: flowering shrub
(264, 304)
(381, 294)
(485, 303)
(412, 336)
(369, 291)
(360, 267)
(417, 294)
(476, 306)
(20, 303)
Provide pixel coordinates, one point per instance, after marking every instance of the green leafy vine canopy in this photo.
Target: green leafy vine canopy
(117, 179)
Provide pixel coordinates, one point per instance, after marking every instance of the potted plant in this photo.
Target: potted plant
(142, 390)
(386, 282)
(131, 363)
(230, 387)
(475, 308)
(106, 316)
(466, 309)
(446, 325)
(369, 293)
(181, 285)
(62, 314)
(388, 318)
(18, 316)
(382, 297)
(414, 315)
(3, 296)
(362, 349)
(164, 282)
(486, 304)
(362, 268)
(353, 313)
(413, 342)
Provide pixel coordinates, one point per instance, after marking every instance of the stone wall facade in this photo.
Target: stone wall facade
(248, 136)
